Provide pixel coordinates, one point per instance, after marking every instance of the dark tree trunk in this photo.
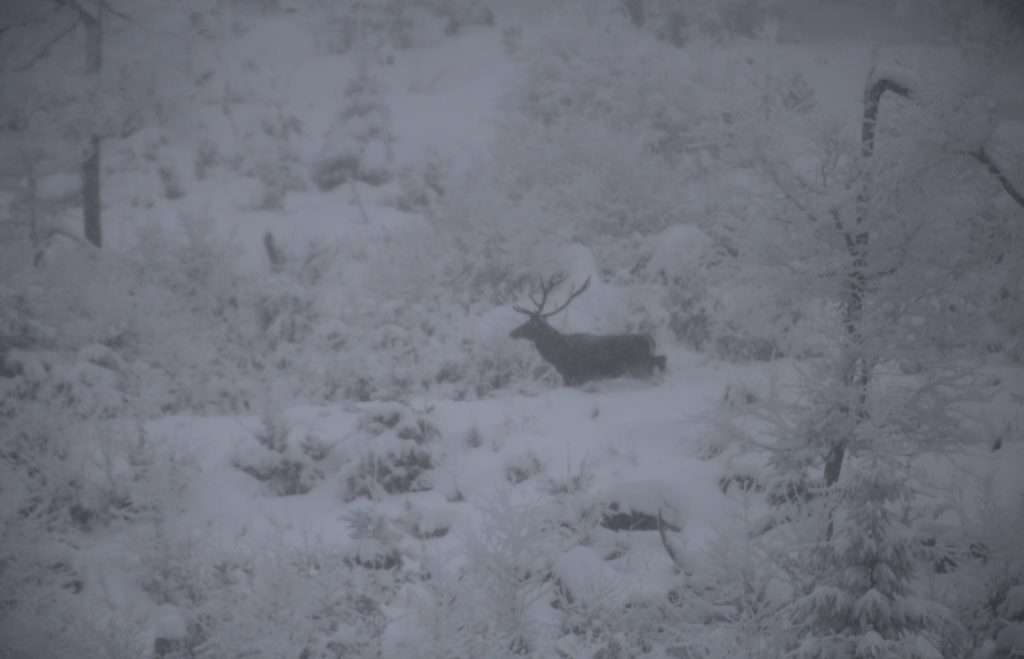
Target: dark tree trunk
(857, 372)
(91, 183)
(91, 209)
(32, 203)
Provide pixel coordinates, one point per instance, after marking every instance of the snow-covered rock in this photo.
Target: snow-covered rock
(643, 505)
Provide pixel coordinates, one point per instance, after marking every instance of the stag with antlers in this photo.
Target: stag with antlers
(579, 358)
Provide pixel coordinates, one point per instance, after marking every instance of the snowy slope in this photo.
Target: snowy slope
(619, 493)
(573, 469)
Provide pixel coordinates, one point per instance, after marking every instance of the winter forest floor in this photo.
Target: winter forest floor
(279, 413)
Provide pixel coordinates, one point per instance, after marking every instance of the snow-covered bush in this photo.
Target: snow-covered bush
(681, 261)
(508, 562)
(288, 463)
(680, 23)
(63, 386)
(308, 603)
(982, 578)
(744, 586)
(750, 320)
(522, 467)
(375, 542)
(342, 27)
(272, 158)
(37, 619)
(684, 109)
(421, 189)
(286, 312)
(460, 13)
(587, 593)
(192, 311)
(446, 619)
(397, 456)
(359, 146)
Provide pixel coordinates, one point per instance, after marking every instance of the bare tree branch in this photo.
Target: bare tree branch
(82, 10)
(789, 195)
(48, 46)
(120, 14)
(669, 549)
(981, 156)
(127, 18)
(100, 4)
(31, 19)
(873, 96)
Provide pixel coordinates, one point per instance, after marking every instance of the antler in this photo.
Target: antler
(573, 294)
(545, 290)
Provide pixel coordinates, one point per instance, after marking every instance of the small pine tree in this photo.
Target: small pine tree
(861, 603)
(361, 149)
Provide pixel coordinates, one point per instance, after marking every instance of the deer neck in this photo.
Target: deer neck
(548, 340)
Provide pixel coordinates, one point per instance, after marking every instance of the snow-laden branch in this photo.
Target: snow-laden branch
(996, 159)
(903, 82)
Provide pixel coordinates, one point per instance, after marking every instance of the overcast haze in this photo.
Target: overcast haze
(478, 328)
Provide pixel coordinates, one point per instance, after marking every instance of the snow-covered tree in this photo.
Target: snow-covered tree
(359, 148)
(888, 250)
(66, 101)
(861, 601)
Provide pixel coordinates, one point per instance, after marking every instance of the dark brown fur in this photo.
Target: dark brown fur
(579, 358)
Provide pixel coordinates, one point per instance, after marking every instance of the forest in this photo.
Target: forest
(467, 329)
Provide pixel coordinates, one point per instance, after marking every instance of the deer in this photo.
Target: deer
(580, 358)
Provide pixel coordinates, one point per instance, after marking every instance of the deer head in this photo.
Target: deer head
(537, 327)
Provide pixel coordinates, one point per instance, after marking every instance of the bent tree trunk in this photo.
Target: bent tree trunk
(857, 369)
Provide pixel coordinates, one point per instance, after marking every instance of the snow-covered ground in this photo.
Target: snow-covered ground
(517, 516)
(586, 477)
